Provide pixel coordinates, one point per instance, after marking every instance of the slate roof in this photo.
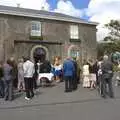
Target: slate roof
(18, 11)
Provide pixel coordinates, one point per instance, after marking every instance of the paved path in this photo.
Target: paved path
(54, 104)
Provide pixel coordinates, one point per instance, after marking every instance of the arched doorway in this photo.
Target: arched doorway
(39, 52)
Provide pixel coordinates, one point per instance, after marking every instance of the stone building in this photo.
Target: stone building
(34, 32)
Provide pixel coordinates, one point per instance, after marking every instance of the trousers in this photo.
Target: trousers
(104, 91)
(29, 87)
(68, 83)
(8, 89)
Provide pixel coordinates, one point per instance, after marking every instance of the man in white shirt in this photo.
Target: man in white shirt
(29, 70)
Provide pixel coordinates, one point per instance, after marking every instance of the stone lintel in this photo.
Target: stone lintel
(38, 41)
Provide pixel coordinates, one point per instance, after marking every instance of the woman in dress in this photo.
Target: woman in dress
(21, 85)
(57, 66)
(86, 81)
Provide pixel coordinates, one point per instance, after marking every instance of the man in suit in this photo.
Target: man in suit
(107, 74)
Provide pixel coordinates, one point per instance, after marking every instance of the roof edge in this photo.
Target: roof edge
(51, 17)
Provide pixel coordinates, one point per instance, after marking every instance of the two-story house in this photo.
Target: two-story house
(34, 32)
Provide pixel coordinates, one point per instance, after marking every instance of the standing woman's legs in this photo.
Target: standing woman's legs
(23, 85)
(57, 79)
(19, 85)
(93, 80)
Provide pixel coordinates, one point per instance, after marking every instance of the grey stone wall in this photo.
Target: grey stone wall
(18, 28)
(88, 42)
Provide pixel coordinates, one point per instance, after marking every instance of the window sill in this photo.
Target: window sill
(75, 40)
(36, 37)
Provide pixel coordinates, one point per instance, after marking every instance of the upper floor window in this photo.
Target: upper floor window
(74, 32)
(35, 28)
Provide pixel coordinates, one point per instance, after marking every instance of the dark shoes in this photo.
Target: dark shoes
(32, 95)
(1, 96)
(103, 96)
(6, 99)
(111, 96)
(68, 90)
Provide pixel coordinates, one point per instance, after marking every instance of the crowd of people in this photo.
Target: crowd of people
(25, 74)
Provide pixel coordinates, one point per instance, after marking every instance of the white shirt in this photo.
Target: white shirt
(59, 67)
(38, 70)
(28, 68)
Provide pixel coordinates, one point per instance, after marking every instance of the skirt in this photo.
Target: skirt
(86, 81)
(92, 77)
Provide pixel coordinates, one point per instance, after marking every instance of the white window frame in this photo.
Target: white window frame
(36, 28)
(74, 32)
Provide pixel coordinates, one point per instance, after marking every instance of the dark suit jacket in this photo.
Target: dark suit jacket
(107, 69)
(1, 72)
(7, 72)
(45, 67)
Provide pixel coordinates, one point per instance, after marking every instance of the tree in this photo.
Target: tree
(108, 38)
(114, 27)
(108, 47)
(111, 43)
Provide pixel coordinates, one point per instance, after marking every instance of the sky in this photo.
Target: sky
(101, 11)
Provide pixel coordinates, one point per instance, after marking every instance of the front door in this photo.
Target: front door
(39, 54)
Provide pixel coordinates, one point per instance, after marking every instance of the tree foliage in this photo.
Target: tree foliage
(111, 43)
(110, 47)
(114, 27)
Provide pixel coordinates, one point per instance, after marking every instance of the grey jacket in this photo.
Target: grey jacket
(107, 69)
(7, 72)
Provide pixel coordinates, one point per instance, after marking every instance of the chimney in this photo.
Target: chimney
(42, 8)
(18, 5)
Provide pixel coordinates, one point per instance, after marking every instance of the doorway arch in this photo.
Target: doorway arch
(40, 50)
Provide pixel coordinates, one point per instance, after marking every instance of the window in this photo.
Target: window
(74, 34)
(74, 53)
(35, 28)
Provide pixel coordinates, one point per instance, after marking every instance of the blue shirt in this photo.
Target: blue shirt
(68, 68)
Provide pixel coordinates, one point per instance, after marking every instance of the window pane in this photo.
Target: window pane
(35, 28)
(74, 32)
